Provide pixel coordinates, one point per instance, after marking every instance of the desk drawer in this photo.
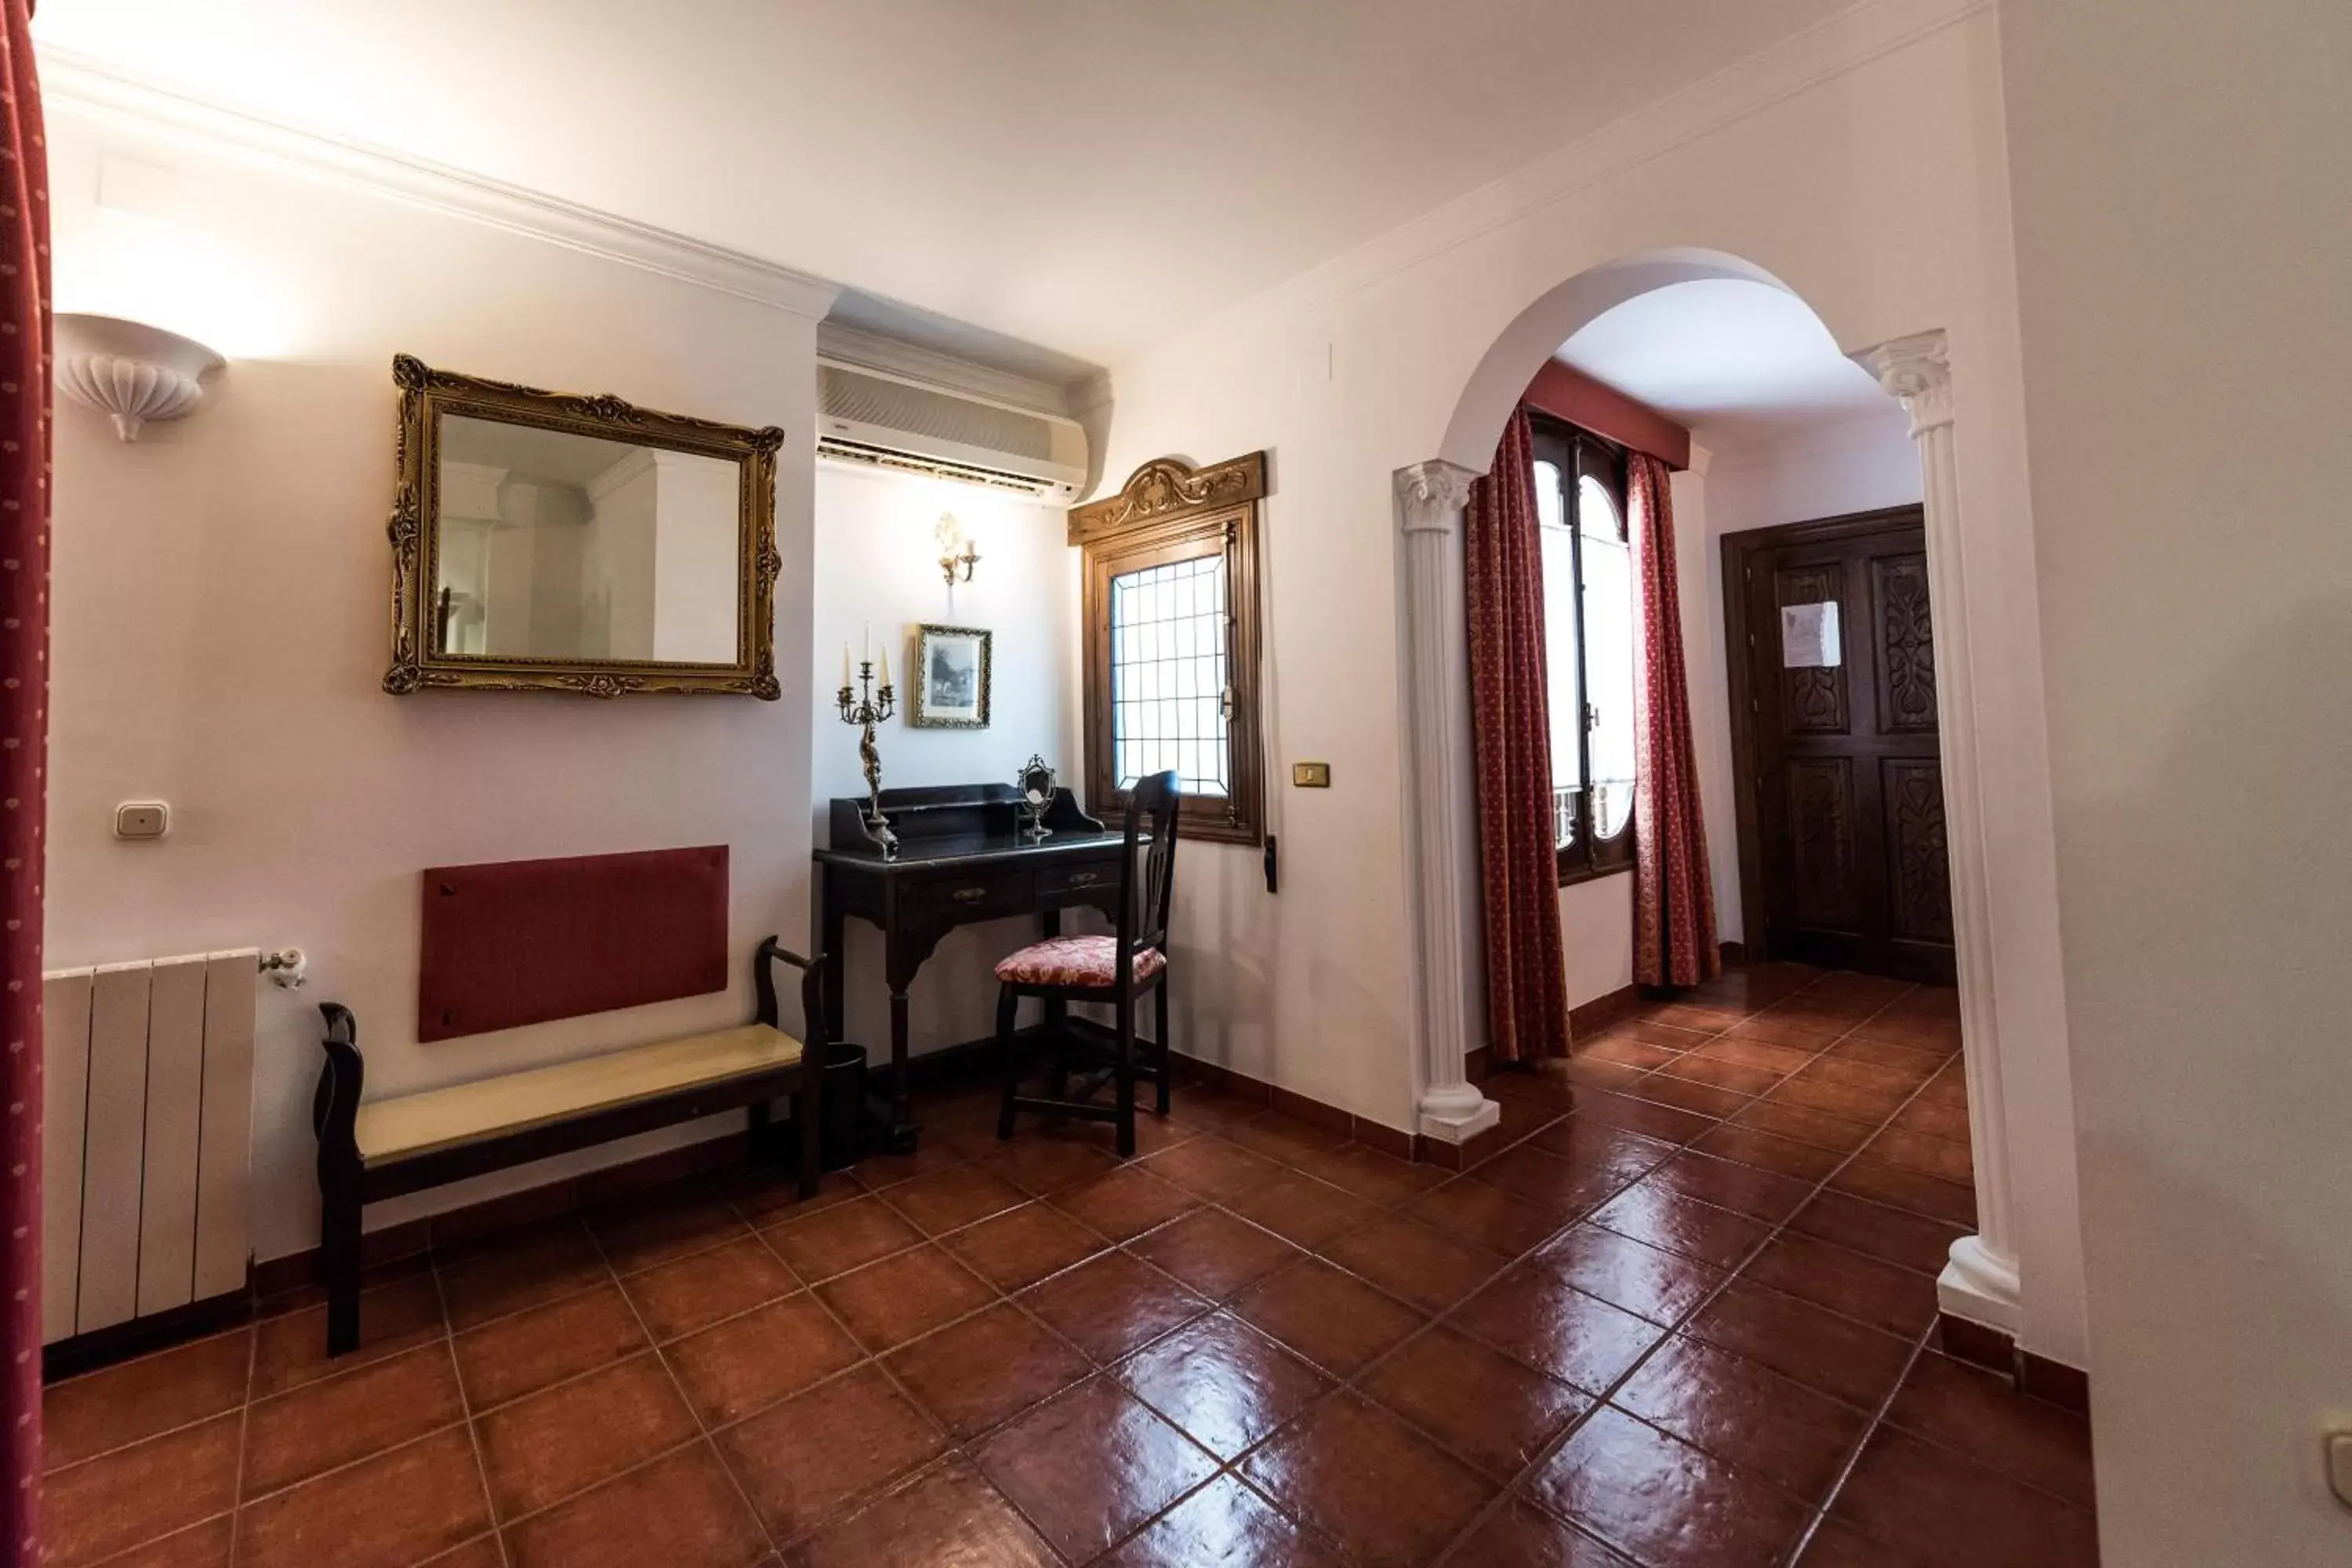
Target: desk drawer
(1090, 879)
(975, 895)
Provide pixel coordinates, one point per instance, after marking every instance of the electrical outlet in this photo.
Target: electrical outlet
(1311, 775)
(141, 820)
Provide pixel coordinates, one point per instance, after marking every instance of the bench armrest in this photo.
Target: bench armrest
(813, 975)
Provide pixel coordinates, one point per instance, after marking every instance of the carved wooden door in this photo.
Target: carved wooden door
(1842, 827)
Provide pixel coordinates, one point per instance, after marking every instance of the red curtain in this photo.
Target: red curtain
(1526, 985)
(1674, 900)
(24, 747)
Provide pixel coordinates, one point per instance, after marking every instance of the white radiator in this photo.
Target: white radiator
(148, 1071)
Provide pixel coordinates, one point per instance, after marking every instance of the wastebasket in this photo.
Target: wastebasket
(840, 1134)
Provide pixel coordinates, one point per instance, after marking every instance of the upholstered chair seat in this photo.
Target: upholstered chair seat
(1074, 962)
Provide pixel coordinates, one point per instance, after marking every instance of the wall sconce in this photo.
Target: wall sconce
(130, 370)
(951, 534)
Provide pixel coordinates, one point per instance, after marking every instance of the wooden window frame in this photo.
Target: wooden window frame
(1167, 512)
(1580, 454)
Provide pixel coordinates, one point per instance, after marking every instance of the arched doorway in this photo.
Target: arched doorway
(1980, 1281)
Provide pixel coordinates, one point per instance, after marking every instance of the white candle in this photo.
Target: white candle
(844, 664)
(886, 665)
(867, 646)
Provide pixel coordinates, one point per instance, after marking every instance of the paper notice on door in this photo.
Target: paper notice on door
(1809, 637)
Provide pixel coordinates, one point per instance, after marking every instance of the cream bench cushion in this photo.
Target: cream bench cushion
(414, 1124)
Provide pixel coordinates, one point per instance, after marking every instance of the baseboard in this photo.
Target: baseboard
(79, 1353)
(1592, 1017)
(2065, 1386)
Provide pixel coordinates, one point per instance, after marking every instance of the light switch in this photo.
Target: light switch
(2339, 1465)
(141, 820)
(1311, 775)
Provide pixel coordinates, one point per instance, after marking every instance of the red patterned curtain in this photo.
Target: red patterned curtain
(1526, 985)
(24, 747)
(1674, 900)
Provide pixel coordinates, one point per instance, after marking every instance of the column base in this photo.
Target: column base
(1457, 1114)
(1980, 1286)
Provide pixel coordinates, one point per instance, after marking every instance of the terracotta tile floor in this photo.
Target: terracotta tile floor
(1681, 1319)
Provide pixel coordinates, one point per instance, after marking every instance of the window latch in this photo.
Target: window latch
(1592, 717)
(1225, 703)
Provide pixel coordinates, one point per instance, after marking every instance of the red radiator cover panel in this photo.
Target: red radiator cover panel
(522, 941)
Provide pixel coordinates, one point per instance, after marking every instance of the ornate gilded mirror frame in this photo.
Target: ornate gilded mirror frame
(427, 394)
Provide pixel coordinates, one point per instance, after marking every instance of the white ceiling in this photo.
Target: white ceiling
(1741, 363)
(1084, 176)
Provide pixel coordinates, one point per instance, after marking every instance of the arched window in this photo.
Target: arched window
(1592, 620)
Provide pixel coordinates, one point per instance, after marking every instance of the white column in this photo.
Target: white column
(1980, 1283)
(1441, 820)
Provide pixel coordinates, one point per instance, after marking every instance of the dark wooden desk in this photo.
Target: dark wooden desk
(960, 860)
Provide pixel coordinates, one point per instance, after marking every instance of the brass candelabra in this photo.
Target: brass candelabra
(867, 706)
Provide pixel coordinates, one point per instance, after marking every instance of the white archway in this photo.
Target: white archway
(1980, 1282)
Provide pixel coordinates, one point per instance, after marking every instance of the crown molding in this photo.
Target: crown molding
(76, 82)
(892, 356)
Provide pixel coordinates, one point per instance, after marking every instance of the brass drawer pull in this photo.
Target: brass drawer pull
(1085, 878)
(969, 895)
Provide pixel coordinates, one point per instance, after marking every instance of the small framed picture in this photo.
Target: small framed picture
(951, 672)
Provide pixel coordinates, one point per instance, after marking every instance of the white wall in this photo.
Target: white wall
(879, 564)
(1792, 162)
(2182, 246)
(221, 621)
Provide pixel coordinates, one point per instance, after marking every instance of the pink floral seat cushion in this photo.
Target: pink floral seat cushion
(1076, 961)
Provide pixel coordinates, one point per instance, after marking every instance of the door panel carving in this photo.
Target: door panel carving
(1821, 842)
(1906, 646)
(1918, 861)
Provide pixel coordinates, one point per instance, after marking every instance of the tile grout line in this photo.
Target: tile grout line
(244, 1431)
(701, 1427)
(1514, 1488)
(1919, 1346)
(1852, 1459)
(965, 1447)
(865, 1358)
(466, 1409)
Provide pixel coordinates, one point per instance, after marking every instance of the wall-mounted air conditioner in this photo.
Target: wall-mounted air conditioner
(895, 422)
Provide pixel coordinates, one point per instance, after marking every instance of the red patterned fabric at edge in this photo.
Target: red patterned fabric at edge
(1075, 961)
(1674, 898)
(23, 748)
(1527, 983)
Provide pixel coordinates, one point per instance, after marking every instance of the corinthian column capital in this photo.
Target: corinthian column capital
(1917, 370)
(1430, 496)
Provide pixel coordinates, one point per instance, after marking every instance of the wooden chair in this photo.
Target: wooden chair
(1117, 969)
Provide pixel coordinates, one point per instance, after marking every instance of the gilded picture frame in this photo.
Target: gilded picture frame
(427, 396)
(952, 671)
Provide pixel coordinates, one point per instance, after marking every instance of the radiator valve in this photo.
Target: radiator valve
(286, 966)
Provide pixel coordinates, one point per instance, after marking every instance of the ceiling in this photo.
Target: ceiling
(1740, 363)
(1080, 177)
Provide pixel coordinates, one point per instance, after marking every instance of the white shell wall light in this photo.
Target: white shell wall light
(130, 370)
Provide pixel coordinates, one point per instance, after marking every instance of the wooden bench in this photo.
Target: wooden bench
(370, 1150)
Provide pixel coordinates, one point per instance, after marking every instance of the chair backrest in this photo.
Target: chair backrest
(1147, 888)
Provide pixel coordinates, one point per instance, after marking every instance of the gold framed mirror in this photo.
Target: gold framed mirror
(544, 540)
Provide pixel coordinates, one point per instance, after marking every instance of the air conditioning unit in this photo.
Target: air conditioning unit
(895, 422)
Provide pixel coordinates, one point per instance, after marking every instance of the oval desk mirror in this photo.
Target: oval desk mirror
(1038, 787)
(543, 540)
